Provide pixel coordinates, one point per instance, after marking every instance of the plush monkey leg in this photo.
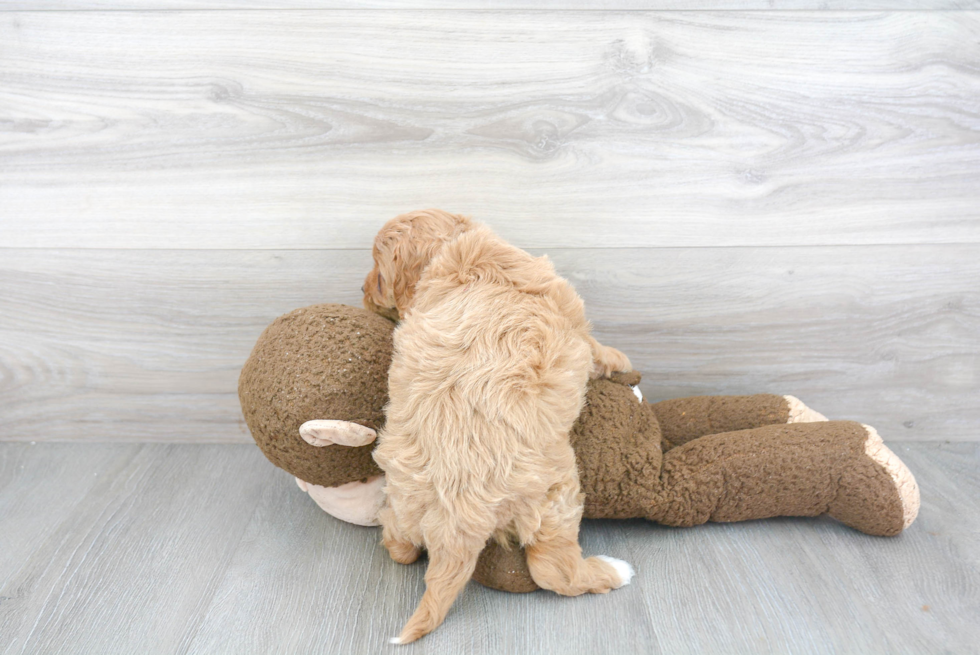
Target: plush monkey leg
(684, 419)
(839, 468)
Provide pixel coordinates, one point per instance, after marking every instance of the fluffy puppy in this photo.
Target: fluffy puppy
(491, 360)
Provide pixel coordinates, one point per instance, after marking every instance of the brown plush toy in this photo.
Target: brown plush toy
(313, 393)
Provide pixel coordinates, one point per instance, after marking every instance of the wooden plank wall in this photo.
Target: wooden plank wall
(782, 201)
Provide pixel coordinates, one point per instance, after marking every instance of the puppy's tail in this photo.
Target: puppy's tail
(449, 571)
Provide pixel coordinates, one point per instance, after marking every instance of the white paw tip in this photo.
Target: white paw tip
(395, 640)
(624, 569)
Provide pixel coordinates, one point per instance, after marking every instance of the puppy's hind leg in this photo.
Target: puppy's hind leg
(450, 568)
(555, 562)
(401, 549)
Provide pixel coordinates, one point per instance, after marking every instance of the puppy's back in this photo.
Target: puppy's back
(497, 331)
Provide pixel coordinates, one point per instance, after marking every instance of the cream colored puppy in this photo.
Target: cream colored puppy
(491, 360)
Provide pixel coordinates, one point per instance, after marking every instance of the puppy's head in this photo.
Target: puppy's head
(403, 248)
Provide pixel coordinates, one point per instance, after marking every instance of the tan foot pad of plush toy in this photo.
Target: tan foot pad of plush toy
(680, 462)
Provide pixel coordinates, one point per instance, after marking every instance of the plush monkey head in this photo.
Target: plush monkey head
(322, 361)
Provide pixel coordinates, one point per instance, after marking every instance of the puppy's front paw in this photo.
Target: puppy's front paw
(608, 361)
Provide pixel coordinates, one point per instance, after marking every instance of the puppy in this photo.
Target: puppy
(491, 359)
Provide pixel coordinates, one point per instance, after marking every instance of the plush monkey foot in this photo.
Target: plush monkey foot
(878, 494)
(800, 413)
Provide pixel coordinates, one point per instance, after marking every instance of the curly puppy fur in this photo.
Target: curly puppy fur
(491, 360)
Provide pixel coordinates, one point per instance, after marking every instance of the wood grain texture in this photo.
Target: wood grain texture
(209, 549)
(127, 556)
(294, 129)
(566, 5)
(147, 345)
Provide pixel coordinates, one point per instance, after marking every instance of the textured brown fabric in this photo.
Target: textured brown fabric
(867, 499)
(504, 569)
(629, 378)
(323, 361)
(800, 469)
(617, 448)
(684, 419)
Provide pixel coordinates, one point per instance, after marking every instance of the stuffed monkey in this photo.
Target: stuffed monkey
(313, 393)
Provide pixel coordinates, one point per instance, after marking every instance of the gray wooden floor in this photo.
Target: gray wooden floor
(179, 548)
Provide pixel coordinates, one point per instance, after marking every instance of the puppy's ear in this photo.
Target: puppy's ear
(403, 249)
(375, 296)
(408, 259)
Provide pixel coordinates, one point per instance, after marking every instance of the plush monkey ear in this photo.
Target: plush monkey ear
(342, 433)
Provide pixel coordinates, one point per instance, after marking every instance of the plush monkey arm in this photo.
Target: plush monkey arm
(684, 419)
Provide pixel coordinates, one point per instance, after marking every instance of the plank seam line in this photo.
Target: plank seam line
(13, 249)
(513, 10)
